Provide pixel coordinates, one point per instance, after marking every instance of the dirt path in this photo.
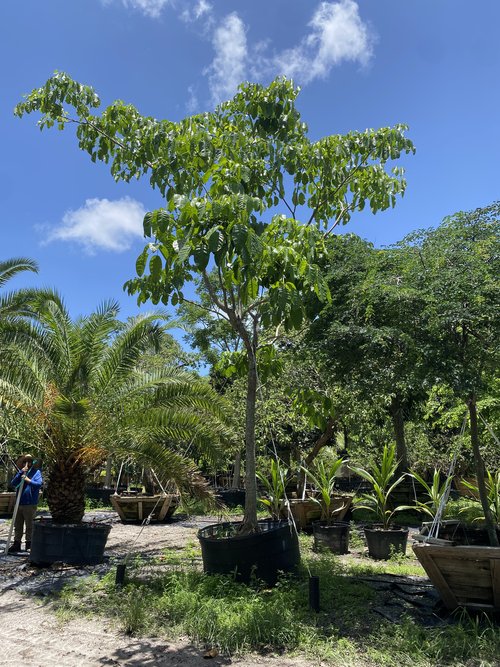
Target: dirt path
(32, 636)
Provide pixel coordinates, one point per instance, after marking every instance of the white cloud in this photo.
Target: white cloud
(101, 224)
(228, 68)
(202, 9)
(152, 8)
(192, 11)
(337, 34)
(192, 103)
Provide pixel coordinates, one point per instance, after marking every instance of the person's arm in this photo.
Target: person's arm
(16, 480)
(36, 480)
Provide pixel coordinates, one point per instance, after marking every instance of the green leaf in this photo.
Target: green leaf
(140, 263)
(155, 267)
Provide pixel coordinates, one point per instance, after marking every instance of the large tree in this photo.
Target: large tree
(456, 268)
(236, 183)
(367, 338)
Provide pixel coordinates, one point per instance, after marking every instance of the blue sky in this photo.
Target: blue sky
(432, 64)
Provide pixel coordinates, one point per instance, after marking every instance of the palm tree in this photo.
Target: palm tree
(15, 304)
(81, 394)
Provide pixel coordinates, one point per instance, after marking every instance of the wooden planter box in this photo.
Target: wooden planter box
(7, 502)
(465, 576)
(138, 507)
(306, 511)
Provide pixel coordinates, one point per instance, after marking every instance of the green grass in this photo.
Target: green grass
(216, 611)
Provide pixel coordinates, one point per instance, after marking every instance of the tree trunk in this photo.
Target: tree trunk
(235, 482)
(396, 410)
(107, 479)
(66, 492)
(479, 463)
(321, 442)
(250, 516)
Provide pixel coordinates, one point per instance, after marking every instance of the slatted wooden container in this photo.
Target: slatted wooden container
(465, 576)
(306, 511)
(7, 502)
(138, 507)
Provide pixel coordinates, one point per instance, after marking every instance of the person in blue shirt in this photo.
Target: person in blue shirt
(29, 471)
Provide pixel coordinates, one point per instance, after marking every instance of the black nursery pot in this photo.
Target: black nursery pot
(264, 554)
(334, 536)
(232, 497)
(383, 543)
(77, 544)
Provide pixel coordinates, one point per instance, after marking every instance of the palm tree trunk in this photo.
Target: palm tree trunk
(322, 441)
(479, 463)
(66, 492)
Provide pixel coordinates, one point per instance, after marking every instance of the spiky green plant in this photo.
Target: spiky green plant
(493, 492)
(274, 485)
(436, 491)
(383, 481)
(323, 477)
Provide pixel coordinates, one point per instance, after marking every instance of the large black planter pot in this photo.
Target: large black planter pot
(334, 536)
(275, 548)
(77, 543)
(382, 544)
(232, 497)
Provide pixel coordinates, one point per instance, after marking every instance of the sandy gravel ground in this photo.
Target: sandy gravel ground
(32, 636)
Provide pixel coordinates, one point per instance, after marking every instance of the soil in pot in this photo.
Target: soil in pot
(274, 549)
(334, 536)
(383, 543)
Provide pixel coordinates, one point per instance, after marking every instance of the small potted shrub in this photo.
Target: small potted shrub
(274, 487)
(329, 532)
(383, 537)
(436, 493)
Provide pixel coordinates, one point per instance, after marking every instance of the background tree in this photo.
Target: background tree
(223, 175)
(367, 337)
(456, 267)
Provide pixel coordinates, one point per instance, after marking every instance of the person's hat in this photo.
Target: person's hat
(23, 460)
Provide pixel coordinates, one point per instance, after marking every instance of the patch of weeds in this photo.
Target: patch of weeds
(356, 539)
(216, 610)
(134, 613)
(468, 643)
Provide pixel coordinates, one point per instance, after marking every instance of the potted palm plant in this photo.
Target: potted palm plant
(329, 531)
(274, 486)
(82, 394)
(383, 537)
(435, 496)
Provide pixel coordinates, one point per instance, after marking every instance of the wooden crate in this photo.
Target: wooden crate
(7, 502)
(138, 507)
(465, 576)
(306, 511)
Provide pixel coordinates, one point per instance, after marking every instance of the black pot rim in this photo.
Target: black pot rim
(394, 528)
(274, 525)
(333, 524)
(46, 521)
